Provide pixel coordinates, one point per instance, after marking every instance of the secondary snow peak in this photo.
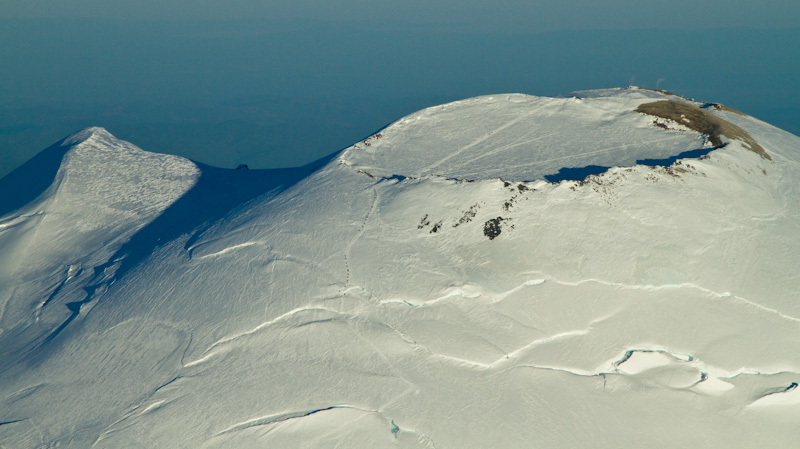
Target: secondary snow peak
(81, 136)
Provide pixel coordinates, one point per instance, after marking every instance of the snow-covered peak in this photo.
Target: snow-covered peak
(96, 168)
(106, 172)
(319, 306)
(93, 181)
(93, 132)
(73, 206)
(523, 138)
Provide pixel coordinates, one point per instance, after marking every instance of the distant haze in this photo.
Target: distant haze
(273, 85)
(501, 15)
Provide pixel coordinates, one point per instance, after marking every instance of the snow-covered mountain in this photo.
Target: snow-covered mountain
(442, 283)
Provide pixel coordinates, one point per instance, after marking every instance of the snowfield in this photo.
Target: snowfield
(424, 288)
(519, 137)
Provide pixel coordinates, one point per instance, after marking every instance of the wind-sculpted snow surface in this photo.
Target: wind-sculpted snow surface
(339, 305)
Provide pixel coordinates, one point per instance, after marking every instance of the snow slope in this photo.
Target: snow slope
(412, 290)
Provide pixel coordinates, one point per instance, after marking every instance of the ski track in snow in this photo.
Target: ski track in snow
(515, 144)
(475, 142)
(358, 235)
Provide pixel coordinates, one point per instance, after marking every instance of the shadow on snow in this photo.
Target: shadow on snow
(581, 173)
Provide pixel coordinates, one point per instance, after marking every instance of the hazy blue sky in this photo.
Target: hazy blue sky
(531, 15)
(281, 83)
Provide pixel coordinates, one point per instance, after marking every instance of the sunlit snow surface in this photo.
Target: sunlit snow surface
(337, 305)
(520, 137)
